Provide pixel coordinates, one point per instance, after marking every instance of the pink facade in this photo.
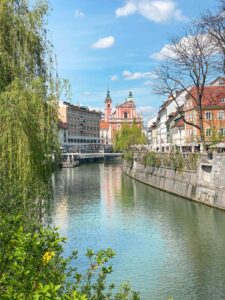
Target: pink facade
(124, 113)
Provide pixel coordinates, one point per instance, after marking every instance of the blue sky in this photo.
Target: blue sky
(116, 44)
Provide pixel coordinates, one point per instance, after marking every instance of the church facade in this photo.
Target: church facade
(113, 119)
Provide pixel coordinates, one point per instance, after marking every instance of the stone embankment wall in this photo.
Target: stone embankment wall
(206, 185)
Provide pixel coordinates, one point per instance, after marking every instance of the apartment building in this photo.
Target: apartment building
(81, 127)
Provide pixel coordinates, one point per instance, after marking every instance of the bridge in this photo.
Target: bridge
(82, 157)
(97, 156)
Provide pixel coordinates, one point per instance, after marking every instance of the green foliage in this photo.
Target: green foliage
(152, 159)
(176, 161)
(128, 136)
(32, 267)
(28, 110)
(128, 155)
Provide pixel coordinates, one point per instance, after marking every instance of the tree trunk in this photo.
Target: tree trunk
(201, 127)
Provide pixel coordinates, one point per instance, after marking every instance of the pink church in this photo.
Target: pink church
(124, 113)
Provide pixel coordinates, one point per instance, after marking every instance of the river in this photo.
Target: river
(165, 246)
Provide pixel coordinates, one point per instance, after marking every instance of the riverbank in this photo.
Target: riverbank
(206, 184)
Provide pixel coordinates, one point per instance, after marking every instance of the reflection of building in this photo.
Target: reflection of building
(124, 113)
(110, 179)
(79, 126)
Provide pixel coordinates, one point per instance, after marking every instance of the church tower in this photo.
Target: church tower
(108, 106)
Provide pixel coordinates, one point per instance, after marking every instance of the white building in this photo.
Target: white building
(167, 109)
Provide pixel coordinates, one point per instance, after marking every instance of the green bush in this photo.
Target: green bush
(32, 267)
(178, 162)
(152, 159)
(175, 161)
(128, 155)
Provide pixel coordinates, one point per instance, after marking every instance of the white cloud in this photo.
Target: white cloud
(148, 83)
(147, 112)
(159, 11)
(114, 77)
(164, 53)
(189, 43)
(128, 9)
(78, 13)
(103, 43)
(137, 75)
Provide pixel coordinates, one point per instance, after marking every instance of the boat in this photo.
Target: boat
(70, 160)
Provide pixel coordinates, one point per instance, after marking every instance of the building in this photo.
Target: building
(213, 108)
(124, 113)
(176, 131)
(167, 109)
(171, 130)
(63, 133)
(151, 133)
(79, 127)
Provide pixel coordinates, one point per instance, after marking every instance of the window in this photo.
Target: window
(208, 132)
(222, 100)
(221, 81)
(222, 131)
(221, 115)
(208, 115)
(125, 115)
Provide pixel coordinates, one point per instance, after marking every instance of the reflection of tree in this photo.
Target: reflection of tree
(79, 185)
(126, 194)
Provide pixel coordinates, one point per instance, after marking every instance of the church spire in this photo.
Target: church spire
(108, 94)
(108, 97)
(130, 95)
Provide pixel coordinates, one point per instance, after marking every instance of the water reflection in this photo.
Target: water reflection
(166, 246)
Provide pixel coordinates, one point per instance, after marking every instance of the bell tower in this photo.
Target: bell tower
(108, 106)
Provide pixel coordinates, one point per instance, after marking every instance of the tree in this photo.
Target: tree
(213, 25)
(189, 62)
(28, 110)
(31, 262)
(128, 136)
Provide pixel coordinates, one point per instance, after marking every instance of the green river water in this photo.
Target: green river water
(165, 246)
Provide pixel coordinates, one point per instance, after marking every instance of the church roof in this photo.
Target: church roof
(128, 104)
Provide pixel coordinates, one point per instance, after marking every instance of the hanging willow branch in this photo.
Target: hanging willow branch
(28, 106)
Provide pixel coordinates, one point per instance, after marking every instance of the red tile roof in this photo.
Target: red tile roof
(104, 125)
(179, 123)
(212, 95)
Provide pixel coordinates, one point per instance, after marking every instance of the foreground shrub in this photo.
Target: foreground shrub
(32, 267)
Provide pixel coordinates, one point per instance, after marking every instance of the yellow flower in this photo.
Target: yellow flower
(48, 256)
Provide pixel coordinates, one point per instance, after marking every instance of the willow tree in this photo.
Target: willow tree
(28, 109)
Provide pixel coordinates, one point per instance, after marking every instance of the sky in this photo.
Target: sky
(117, 44)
